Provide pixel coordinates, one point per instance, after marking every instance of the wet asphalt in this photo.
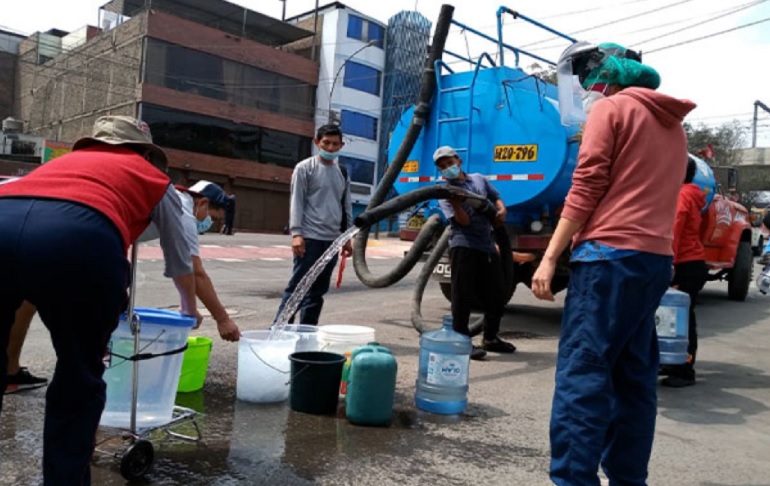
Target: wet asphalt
(716, 433)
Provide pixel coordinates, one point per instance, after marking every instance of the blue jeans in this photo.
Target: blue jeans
(69, 261)
(605, 401)
(313, 302)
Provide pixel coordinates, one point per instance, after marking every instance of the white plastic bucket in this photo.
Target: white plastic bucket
(161, 331)
(344, 339)
(263, 366)
(307, 334)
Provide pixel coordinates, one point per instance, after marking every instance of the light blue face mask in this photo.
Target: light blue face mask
(452, 172)
(204, 225)
(327, 155)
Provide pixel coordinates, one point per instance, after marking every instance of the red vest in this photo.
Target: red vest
(113, 180)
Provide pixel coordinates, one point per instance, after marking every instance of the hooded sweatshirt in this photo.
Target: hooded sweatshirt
(631, 164)
(687, 242)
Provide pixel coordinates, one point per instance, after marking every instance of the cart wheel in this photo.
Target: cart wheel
(137, 460)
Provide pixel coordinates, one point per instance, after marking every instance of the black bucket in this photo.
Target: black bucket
(315, 382)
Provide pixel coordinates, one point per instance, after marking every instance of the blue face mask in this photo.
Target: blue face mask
(327, 155)
(451, 172)
(204, 225)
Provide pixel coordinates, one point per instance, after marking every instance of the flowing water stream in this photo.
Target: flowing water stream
(308, 280)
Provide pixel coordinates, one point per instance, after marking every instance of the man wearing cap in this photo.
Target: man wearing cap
(619, 216)
(65, 230)
(205, 202)
(476, 266)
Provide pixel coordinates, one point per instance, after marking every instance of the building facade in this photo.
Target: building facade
(9, 57)
(350, 48)
(221, 96)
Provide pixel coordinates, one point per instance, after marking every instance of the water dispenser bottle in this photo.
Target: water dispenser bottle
(672, 321)
(763, 280)
(442, 383)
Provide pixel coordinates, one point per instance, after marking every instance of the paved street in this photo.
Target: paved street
(716, 433)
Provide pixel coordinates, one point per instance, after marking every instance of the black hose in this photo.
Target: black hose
(422, 279)
(419, 118)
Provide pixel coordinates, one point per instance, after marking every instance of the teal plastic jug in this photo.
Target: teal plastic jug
(371, 386)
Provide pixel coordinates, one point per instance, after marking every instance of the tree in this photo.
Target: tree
(725, 139)
(547, 74)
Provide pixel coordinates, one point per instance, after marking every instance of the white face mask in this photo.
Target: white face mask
(590, 98)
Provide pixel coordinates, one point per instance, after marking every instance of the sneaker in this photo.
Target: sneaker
(675, 381)
(497, 345)
(24, 380)
(477, 353)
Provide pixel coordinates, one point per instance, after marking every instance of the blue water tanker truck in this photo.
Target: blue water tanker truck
(506, 124)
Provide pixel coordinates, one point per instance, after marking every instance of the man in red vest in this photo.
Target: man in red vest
(64, 234)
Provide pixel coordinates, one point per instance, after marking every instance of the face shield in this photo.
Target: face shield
(574, 65)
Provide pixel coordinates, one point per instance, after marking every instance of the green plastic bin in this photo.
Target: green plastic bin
(195, 364)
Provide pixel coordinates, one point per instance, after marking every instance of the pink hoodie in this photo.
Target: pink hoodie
(630, 169)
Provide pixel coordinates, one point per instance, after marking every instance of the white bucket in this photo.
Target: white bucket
(263, 366)
(344, 339)
(308, 336)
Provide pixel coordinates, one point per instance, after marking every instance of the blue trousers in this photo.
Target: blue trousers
(69, 261)
(605, 401)
(313, 302)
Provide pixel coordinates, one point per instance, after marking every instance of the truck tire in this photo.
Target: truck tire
(740, 276)
(760, 246)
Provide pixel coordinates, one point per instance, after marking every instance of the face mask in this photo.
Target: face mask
(204, 225)
(590, 98)
(327, 155)
(452, 172)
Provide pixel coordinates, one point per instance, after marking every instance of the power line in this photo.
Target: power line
(709, 36)
(698, 24)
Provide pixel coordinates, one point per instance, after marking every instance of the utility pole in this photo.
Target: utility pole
(757, 104)
(283, 14)
(315, 32)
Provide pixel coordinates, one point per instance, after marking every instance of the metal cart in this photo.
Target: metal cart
(136, 452)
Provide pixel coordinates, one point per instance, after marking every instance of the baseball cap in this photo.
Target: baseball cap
(120, 130)
(215, 194)
(445, 151)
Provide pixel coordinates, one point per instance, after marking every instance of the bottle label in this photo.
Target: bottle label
(448, 369)
(665, 321)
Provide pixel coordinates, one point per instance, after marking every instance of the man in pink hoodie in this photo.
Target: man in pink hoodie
(618, 215)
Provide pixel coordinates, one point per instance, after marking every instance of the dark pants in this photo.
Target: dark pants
(313, 302)
(605, 400)
(229, 220)
(689, 277)
(477, 276)
(69, 261)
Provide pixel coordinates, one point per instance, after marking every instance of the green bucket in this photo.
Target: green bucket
(195, 364)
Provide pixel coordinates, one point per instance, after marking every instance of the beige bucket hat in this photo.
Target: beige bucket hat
(121, 130)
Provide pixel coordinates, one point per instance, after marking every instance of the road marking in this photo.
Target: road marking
(272, 259)
(379, 258)
(230, 260)
(281, 246)
(251, 247)
(211, 246)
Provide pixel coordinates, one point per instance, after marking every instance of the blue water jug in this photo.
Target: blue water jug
(371, 386)
(442, 383)
(672, 323)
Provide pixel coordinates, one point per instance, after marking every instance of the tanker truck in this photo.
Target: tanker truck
(505, 124)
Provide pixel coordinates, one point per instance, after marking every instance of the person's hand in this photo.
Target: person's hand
(457, 198)
(298, 246)
(347, 250)
(500, 216)
(541, 281)
(197, 315)
(228, 330)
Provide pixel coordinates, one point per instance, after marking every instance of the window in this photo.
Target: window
(202, 74)
(360, 170)
(359, 125)
(215, 136)
(362, 78)
(376, 33)
(365, 30)
(355, 27)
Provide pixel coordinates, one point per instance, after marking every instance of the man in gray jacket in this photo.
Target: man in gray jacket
(320, 211)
